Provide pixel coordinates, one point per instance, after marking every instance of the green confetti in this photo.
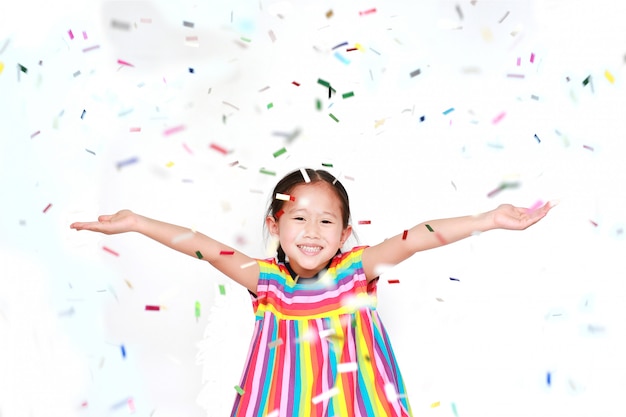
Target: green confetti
(318, 104)
(222, 289)
(243, 38)
(23, 68)
(266, 172)
(586, 80)
(454, 410)
(197, 309)
(324, 83)
(239, 390)
(270, 105)
(327, 165)
(279, 152)
(430, 229)
(348, 95)
(333, 117)
(198, 254)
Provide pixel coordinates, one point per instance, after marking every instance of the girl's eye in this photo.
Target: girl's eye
(327, 222)
(298, 218)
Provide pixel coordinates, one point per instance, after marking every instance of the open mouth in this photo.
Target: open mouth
(310, 250)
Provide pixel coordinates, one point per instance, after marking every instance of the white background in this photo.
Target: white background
(550, 299)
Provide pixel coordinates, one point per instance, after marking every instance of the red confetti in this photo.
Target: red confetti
(404, 234)
(153, 308)
(351, 49)
(47, 207)
(295, 83)
(280, 213)
(393, 281)
(365, 222)
(218, 148)
(227, 252)
(111, 251)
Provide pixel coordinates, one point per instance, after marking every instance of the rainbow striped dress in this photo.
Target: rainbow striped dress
(319, 349)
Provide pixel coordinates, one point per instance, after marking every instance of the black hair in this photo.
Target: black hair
(297, 177)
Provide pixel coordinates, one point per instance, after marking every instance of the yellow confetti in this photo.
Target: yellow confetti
(169, 164)
(359, 47)
(486, 34)
(607, 74)
(435, 404)
(1, 67)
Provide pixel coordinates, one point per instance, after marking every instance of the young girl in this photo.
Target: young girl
(319, 347)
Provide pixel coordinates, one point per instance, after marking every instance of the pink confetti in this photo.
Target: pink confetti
(91, 48)
(122, 62)
(69, 32)
(47, 207)
(368, 11)
(535, 206)
(532, 58)
(35, 134)
(174, 129)
(111, 251)
(588, 147)
(519, 61)
(135, 129)
(499, 117)
(187, 148)
(84, 35)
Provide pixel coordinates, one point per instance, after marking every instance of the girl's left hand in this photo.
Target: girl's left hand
(507, 216)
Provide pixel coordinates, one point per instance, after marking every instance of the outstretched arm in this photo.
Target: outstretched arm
(441, 232)
(226, 259)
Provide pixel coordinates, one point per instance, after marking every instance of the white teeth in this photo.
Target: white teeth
(310, 248)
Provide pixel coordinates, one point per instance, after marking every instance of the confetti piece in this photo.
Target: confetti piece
(47, 207)
(153, 308)
(270, 105)
(84, 35)
(329, 14)
(123, 351)
(504, 17)
(285, 197)
(266, 172)
(519, 61)
(340, 45)
(318, 104)
(131, 405)
(515, 75)
(248, 265)
(222, 289)
(199, 254)
(122, 62)
(128, 284)
(243, 38)
(609, 76)
(82, 116)
(342, 58)
(188, 24)
(332, 116)
(69, 32)
(134, 129)
(422, 118)
(197, 310)
(415, 73)
(280, 213)
(128, 161)
(537, 137)
(90, 151)
(169, 164)
(325, 395)
(347, 367)
(327, 165)
(305, 175)
(275, 343)
(435, 404)
(404, 234)
(239, 390)
(588, 147)
(450, 110)
(173, 130)
(191, 70)
(534, 97)
(366, 12)
(22, 68)
(111, 251)
(586, 80)
(116, 24)
(279, 152)
(272, 36)
(499, 117)
(295, 83)
(593, 223)
(352, 49)
(324, 83)
(348, 95)
(532, 57)
(76, 74)
(439, 299)
(548, 378)
(1, 67)
(227, 252)
(218, 148)
(393, 281)
(454, 279)
(430, 229)
(365, 222)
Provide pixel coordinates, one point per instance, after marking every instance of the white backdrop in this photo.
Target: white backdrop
(122, 113)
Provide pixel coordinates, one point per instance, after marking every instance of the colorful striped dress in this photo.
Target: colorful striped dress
(319, 349)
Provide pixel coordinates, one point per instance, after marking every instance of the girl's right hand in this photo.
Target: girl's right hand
(121, 222)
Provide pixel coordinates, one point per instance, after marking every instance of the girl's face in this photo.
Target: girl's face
(310, 230)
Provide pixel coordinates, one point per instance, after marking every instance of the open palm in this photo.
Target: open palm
(109, 224)
(507, 216)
